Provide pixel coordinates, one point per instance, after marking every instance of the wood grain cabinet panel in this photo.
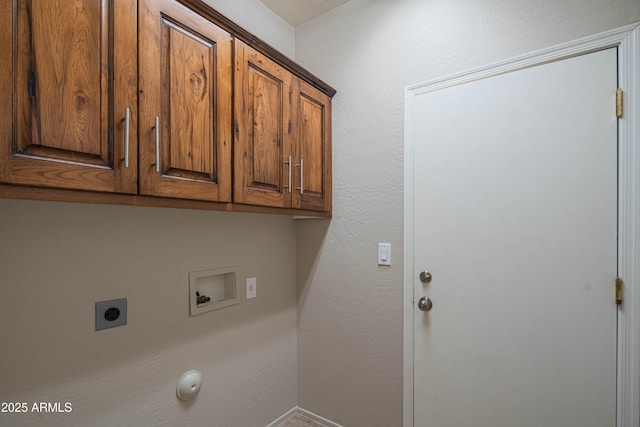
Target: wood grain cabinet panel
(75, 73)
(164, 99)
(282, 153)
(312, 176)
(185, 82)
(262, 128)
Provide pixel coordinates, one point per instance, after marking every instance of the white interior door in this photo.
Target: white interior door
(516, 219)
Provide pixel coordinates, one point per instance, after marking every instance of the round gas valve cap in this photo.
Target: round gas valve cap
(189, 385)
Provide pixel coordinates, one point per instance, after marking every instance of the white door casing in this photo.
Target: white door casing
(626, 41)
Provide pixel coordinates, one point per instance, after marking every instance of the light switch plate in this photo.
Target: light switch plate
(384, 253)
(251, 287)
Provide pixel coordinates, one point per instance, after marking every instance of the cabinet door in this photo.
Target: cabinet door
(312, 172)
(75, 75)
(185, 104)
(262, 156)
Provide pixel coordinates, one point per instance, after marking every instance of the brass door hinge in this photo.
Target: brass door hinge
(619, 290)
(619, 103)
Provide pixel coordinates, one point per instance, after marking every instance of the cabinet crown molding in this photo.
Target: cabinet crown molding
(258, 44)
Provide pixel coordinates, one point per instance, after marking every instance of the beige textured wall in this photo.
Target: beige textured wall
(350, 310)
(58, 259)
(257, 18)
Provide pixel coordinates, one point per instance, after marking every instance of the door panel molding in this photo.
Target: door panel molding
(627, 40)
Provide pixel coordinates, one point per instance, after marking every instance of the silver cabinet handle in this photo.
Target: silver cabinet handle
(288, 163)
(127, 125)
(157, 128)
(301, 166)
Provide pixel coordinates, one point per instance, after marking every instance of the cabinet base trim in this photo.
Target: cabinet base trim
(56, 195)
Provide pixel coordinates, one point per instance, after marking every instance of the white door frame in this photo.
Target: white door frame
(627, 40)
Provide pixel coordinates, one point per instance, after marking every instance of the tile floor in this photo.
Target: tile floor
(298, 420)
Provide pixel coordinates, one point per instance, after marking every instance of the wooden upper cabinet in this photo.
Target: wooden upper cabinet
(282, 125)
(262, 127)
(185, 104)
(74, 76)
(155, 98)
(312, 177)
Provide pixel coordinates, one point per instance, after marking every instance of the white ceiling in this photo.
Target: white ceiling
(296, 12)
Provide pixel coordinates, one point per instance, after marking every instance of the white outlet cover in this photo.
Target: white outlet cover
(251, 287)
